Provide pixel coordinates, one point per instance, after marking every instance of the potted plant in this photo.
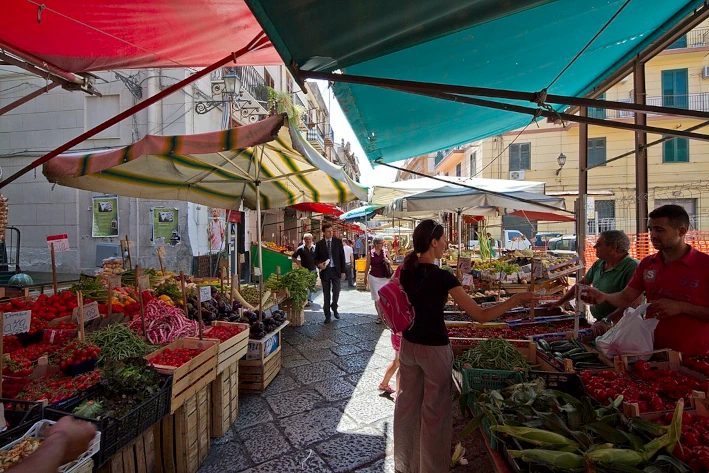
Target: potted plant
(297, 282)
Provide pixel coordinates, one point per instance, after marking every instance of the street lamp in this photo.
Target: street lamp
(226, 95)
(230, 82)
(561, 160)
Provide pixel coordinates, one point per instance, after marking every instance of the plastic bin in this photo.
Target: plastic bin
(360, 264)
(474, 379)
(20, 417)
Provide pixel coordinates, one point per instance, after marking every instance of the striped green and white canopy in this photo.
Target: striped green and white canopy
(215, 169)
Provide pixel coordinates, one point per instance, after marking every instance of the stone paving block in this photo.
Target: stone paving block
(281, 383)
(294, 402)
(252, 410)
(296, 339)
(342, 350)
(316, 372)
(381, 466)
(323, 354)
(346, 452)
(334, 389)
(342, 338)
(317, 425)
(316, 345)
(293, 361)
(305, 461)
(226, 458)
(356, 362)
(365, 332)
(317, 332)
(264, 442)
(288, 350)
(365, 382)
(365, 409)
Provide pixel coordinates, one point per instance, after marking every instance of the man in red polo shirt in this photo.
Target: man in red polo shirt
(675, 282)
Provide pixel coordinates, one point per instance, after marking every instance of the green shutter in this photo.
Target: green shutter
(525, 159)
(596, 151)
(668, 151)
(675, 88)
(682, 150)
(514, 157)
(594, 112)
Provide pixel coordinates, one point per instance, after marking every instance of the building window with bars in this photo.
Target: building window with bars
(605, 217)
(520, 156)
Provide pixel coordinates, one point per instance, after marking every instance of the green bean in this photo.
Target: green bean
(492, 354)
(118, 342)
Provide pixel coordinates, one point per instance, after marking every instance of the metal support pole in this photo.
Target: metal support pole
(581, 217)
(260, 250)
(28, 97)
(641, 185)
(34, 60)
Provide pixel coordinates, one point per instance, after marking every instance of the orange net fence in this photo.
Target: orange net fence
(640, 245)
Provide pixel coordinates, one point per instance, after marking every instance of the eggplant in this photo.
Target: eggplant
(236, 306)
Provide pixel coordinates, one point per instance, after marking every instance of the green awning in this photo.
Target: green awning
(522, 45)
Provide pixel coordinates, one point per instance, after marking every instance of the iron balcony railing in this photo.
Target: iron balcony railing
(314, 136)
(697, 38)
(253, 83)
(628, 224)
(319, 133)
(698, 102)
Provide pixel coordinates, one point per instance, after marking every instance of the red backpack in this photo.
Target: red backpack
(397, 311)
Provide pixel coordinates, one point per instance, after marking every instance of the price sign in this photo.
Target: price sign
(90, 312)
(161, 251)
(115, 281)
(16, 322)
(144, 282)
(467, 280)
(465, 265)
(205, 294)
(60, 242)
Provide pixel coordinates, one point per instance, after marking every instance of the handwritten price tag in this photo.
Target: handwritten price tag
(205, 294)
(60, 242)
(90, 312)
(16, 322)
(115, 280)
(467, 280)
(144, 282)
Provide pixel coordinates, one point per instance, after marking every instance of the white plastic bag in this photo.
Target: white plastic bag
(631, 335)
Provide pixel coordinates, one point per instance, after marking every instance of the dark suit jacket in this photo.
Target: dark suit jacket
(338, 254)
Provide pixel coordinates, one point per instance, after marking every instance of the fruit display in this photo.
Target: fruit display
(163, 323)
(269, 323)
(511, 333)
(175, 357)
(20, 451)
(223, 332)
(55, 388)
(111, 267)
(77, 357)
(269, 245)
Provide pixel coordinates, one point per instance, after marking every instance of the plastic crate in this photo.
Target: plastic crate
(569, 383)
(20, 417)
(474, 379)
(118, 433)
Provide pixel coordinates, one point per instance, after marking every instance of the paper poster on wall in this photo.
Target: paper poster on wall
(105, 216)
(215, 228)
(165, 222)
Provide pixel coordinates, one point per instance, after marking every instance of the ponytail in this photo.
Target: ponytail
(411, 261)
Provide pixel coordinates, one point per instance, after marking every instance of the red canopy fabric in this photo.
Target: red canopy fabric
(95, 35)
(543, 216)
(326, 209)
(470, 219)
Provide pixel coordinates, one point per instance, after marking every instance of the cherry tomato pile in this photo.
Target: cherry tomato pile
(176, 357)
(77, 352)
(20, 368)
(697, 363)
(671, 383)
(57, 388)
(224, 332)
(694, 441)
(512, 333)
(10, 344)
(33, 352)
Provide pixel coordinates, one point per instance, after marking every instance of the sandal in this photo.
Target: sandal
(379, 320)
(386, 388)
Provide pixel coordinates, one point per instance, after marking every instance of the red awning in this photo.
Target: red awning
(542, 216)
(470, 219)
(94, 35)
(326, 209)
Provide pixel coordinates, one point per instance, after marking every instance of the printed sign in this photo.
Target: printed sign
(60, 242)
(465, 265)
(144, 282)
(269, 346)
(467, 280)
(105, 218)
(115, 281)
(90, 312)
(16, 322)
(165, 223)
(205, 294)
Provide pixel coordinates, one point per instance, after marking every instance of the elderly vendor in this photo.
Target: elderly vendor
(675, 281)
(611, 273)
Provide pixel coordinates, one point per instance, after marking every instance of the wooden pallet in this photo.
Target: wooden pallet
(193, 376)
(182, 439)
(232, 350)
(225, 400)
(255, 376)
(138, 457)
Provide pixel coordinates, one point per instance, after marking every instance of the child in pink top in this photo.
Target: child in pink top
(393, 367)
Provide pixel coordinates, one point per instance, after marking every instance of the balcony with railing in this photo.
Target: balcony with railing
(697, 102)
(442, 155)
(253, 83)
(697, 38)
(320, 136)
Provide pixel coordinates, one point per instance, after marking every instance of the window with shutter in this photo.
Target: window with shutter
(594, 112)
(675, 88)
(520, 156)
(675, 150)
(473, 164)
(597, 152)
(458, 168)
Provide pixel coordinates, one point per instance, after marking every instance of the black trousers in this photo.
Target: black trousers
(330, 279)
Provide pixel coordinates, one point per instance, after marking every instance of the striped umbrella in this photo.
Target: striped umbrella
(270, 159)
(360, 213)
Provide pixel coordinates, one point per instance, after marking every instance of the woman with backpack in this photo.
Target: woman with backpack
(377, 271)
(423, 419)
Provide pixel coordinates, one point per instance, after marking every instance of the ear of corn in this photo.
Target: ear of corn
(556, 459)
(538, 437)
(615, 456)
(457, 454)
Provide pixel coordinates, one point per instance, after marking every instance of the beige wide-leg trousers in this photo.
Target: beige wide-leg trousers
(423, 418)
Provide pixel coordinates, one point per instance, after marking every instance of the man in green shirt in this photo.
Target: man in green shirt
(610, 274)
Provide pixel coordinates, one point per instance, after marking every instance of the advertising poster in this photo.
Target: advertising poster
(105, 218)
(165, 223)
(215, 229)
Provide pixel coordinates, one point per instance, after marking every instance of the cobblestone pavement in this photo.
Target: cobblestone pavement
(323, 413)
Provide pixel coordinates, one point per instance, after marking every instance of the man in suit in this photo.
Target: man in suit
(330, 250)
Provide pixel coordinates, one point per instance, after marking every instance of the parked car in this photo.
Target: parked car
(541, 240)
(563, 245)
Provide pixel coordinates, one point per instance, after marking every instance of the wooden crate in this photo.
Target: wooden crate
(190, 377)
(86, 467)
(359, 280)
(138, 457)
(182, 439)
(231, 351)
(255, 376)
(295, 315)
(225, 400)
